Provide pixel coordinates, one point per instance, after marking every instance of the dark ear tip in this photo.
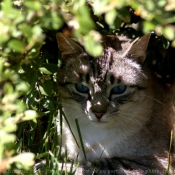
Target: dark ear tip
(147, 36)
(59, 35)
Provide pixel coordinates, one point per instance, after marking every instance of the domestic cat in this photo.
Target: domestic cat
(125, 114)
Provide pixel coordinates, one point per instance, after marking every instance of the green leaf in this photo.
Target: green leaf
(51, 20)
(165, 42)
(10, 98)
(124, 14)
(48, 68)
(8, 88)
(29, 115)
(162, 3)
(34, 5)
(45, 70)
(99, 6)
(148, 26)
(85, 22)
(26, 29)
(4, 32)
(31, 99)
(36, 30)
(110, 16)
(168, 32)
(46, 88)
(30, 77)
(150, 5)
(47, 103)
(17, 45)
(92, 47)
(6, 137)
(4, 38)
(117, 23)
(7, 6)
(33, 53)
(9, 125)
(120, 3)
(22, 86)
(24, 156)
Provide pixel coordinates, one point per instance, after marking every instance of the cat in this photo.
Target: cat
(125, 114)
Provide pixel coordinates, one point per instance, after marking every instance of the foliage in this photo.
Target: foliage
(29, 61)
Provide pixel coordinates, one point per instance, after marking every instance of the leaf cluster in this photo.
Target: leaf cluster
(29, 60)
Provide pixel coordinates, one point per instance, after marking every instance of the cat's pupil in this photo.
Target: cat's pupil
(118, 89)
(81, 88)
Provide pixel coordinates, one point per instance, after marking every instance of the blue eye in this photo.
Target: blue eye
(118, 89)
(81, 88)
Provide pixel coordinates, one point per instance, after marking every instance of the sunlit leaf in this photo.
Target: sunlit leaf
(46, 88)
(34, 5)
(110, 16)
(26, 29)
(48, 68)
(24, 156)
(29, 115)
(165, 42)
(100, 6)
(6, 137)
(93, 48)
(10, 125)
(7, 6)
(22, 87)
(148, 26)
(17, 45)
(169, 32)
(150, 5)
(47, 103)
(85, 22)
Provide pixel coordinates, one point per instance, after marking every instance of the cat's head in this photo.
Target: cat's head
(104, 87)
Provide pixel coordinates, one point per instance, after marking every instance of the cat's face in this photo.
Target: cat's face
(102, 90)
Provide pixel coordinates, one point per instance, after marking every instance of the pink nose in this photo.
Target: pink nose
(99, 114)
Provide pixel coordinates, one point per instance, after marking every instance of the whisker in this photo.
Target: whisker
(126, 114)
(78, 109)
(154, 99)
(133, 120)
(83, 113)
(157, 121)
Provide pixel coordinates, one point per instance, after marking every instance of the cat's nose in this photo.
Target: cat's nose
(99, 114)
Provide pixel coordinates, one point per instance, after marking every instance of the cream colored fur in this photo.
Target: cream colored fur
(139, 130)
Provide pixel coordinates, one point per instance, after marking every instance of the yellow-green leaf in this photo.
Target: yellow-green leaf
(17, 45)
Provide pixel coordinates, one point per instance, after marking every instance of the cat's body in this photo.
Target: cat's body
(124, 113)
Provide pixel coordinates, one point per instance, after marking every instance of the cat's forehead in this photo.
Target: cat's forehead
(110, 65)
(121, 60)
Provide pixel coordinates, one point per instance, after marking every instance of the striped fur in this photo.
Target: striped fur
(127, 132)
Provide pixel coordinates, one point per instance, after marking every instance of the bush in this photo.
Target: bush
(29, 101)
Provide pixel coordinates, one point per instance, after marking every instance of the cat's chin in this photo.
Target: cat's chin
(99, 121)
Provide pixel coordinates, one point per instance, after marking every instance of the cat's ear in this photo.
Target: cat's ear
(138, 49)
(68, 46)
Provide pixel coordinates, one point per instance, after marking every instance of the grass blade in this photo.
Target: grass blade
(61, 130)
(169, 153)
(80, 136)
(70, 129)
